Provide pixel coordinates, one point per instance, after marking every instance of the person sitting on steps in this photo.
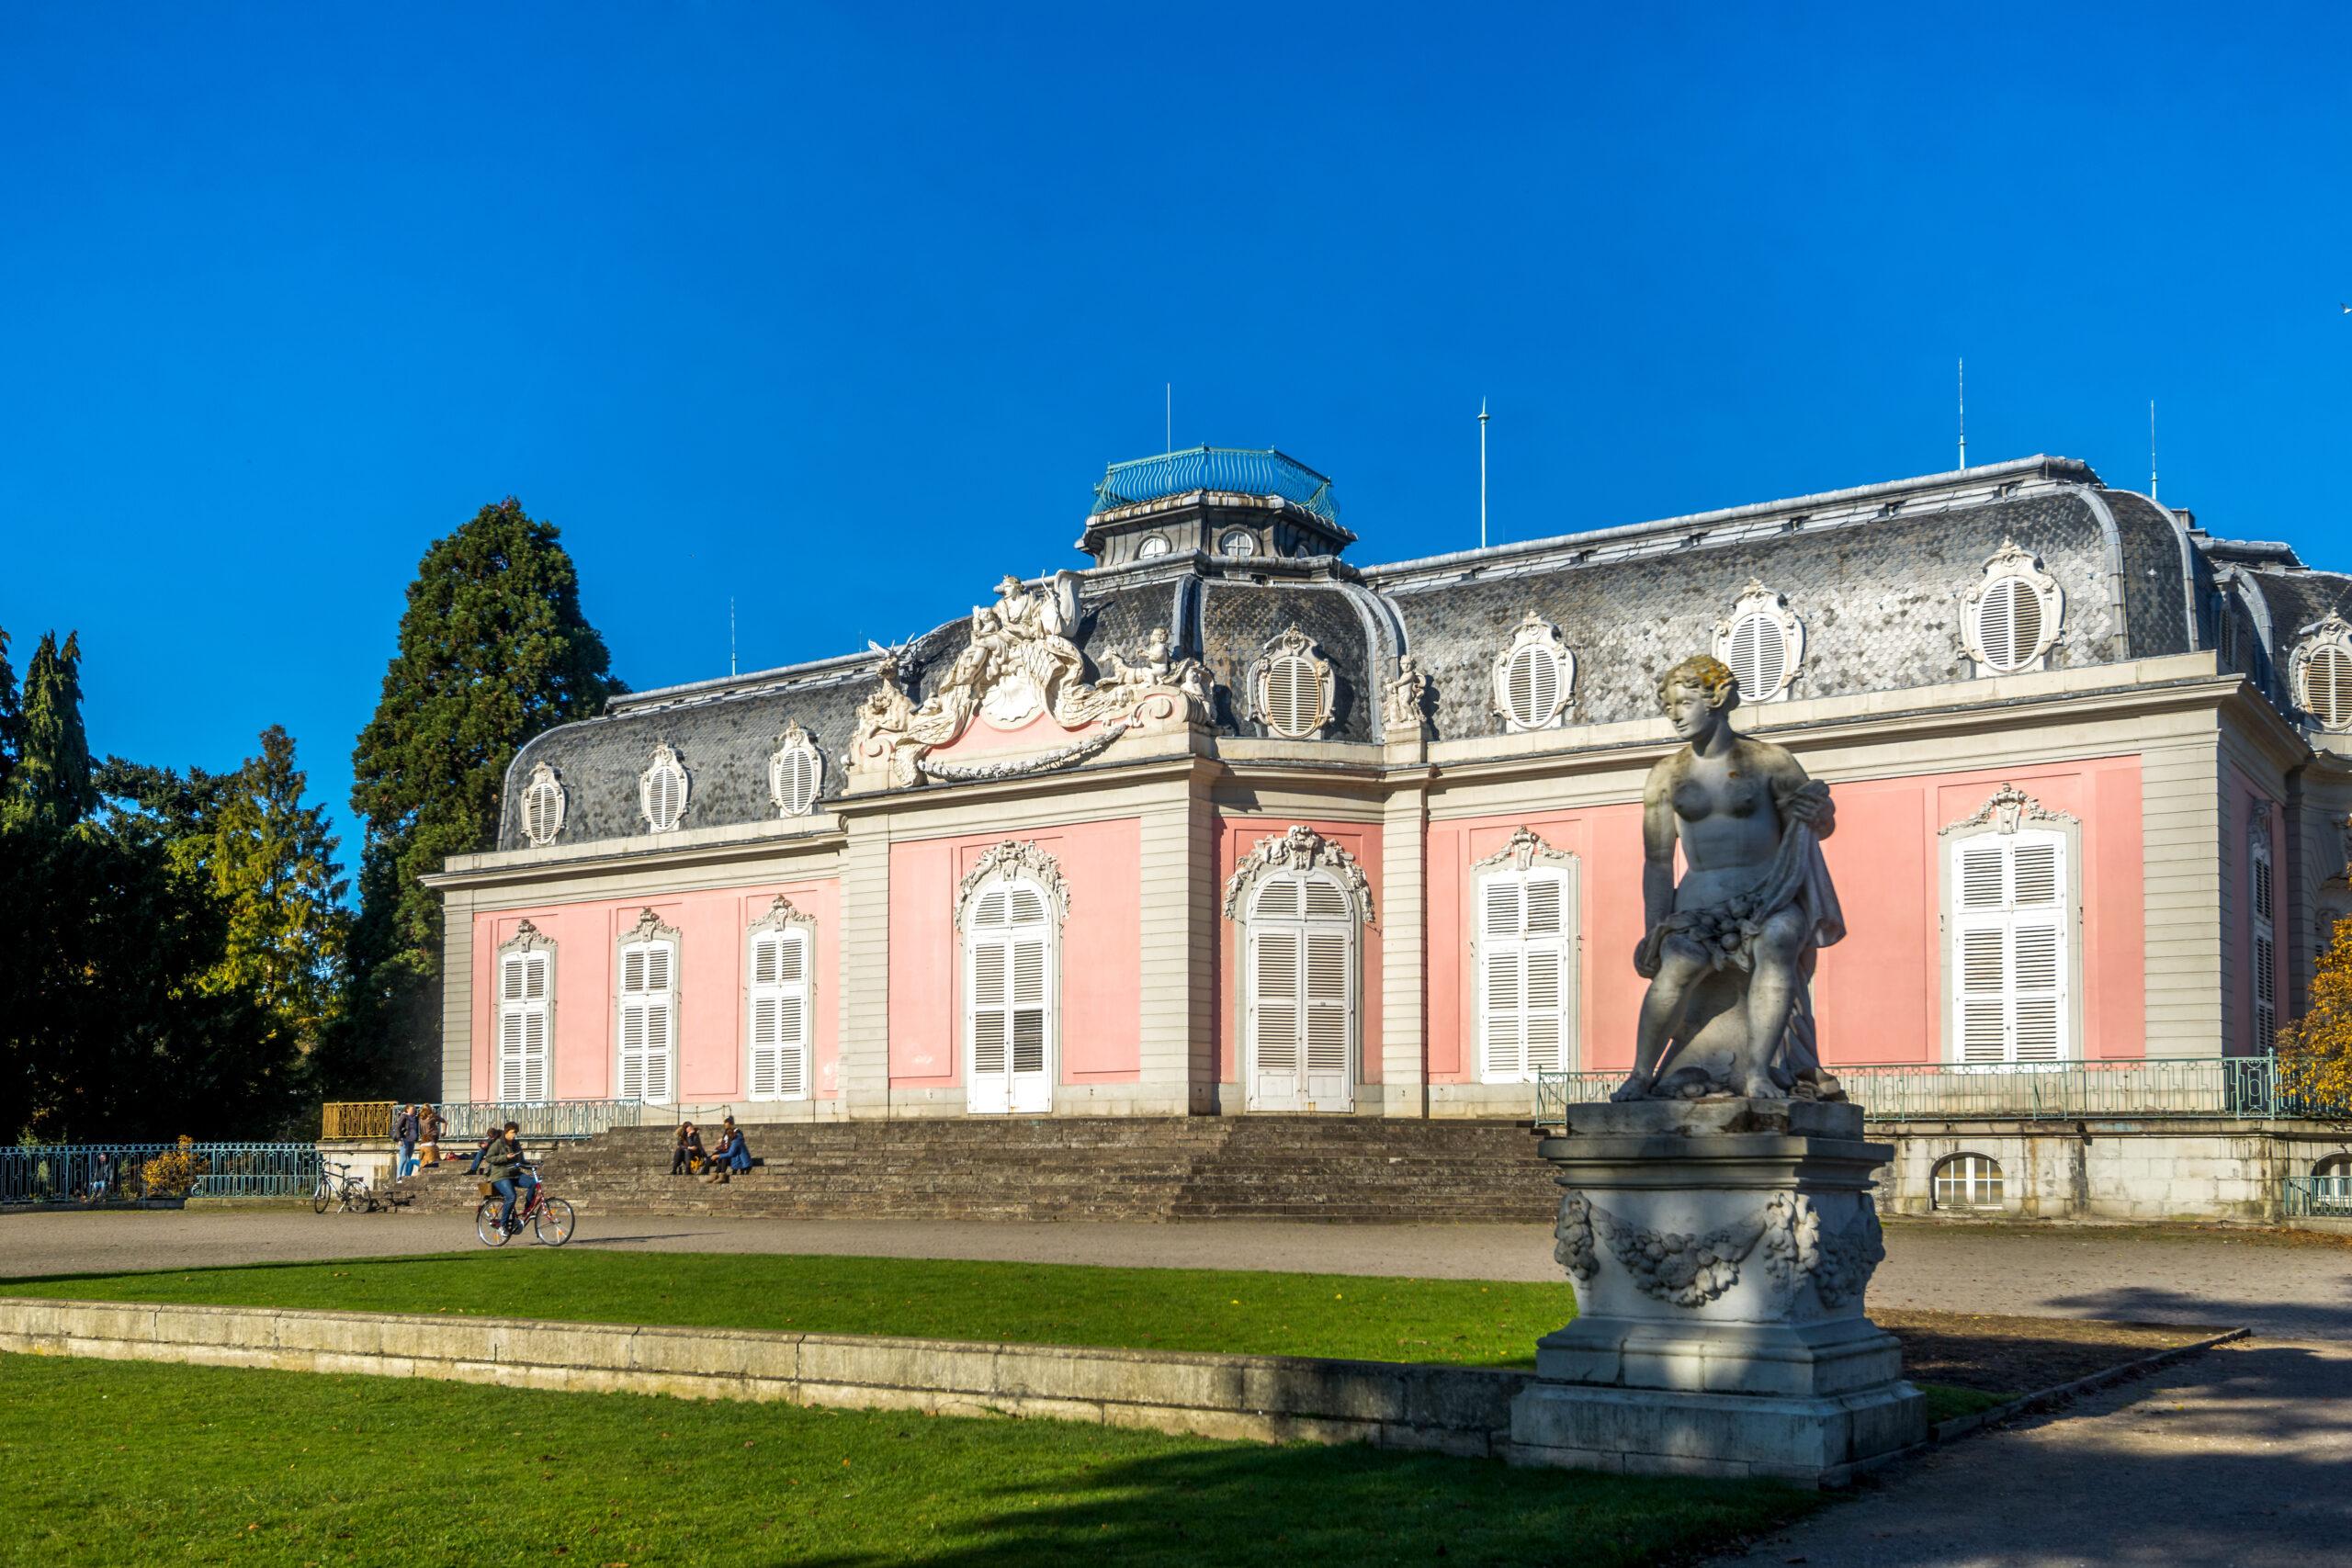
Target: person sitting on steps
(732, 1156)
(686, 1157)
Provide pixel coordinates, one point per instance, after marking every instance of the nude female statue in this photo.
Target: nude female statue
(1729, 954)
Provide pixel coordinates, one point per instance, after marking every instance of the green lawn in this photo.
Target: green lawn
(111, 1462)
(1465, 1322)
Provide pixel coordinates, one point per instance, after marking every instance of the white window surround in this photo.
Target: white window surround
(2011, 900)
(1236, 542)
(1291, 687)
(1966, 1181)
(2261, 945)
(1010, 911)
(2322, 671)
(1525, 953)
(780, 1004)
(645, 1017)
(1153, 546)
(524, 1068)
(543, 806)
(662, 790)
(796, 772)
(1535, 677)
(2011, 616)
(1301, 902)
(1763, 642)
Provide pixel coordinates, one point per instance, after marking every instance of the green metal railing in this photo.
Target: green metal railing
(2318, 1197)
(1242, 470)
(62, 1173)
(2155, 1087)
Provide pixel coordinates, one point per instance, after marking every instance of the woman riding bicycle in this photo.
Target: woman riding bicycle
(502, 1161)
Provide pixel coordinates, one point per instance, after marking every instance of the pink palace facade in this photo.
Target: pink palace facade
(1225, 823)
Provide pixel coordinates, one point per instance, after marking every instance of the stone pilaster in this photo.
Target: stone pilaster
(866, 969)
(1404, 975)
(1178, 971)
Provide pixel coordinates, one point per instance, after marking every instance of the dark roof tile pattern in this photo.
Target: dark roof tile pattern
(2155, 606)
(1240, 618)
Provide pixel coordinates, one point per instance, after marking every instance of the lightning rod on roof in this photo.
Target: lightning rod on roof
(730, 635)
(1168, 410)
(1482, 473)
(2151, 448)
(1964, 412)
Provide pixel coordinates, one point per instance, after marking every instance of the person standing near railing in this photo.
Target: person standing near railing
(405, 1132)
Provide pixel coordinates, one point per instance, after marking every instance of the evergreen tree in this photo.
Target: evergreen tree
(51, 786)
(494, 649)
(272, 865)
(11, 716)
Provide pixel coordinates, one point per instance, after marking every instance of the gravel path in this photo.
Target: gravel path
(2282, 1285)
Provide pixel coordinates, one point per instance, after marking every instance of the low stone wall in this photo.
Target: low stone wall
(2114, 1167)
(1457, 1410)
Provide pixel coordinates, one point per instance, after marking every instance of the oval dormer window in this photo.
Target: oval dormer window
(543, 806)
(1238, 542)
(661, 791)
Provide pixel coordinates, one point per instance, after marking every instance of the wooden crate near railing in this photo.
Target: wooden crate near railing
(356, 1118)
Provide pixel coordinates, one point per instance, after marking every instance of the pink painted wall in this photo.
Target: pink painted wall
(1878, 994)
(712, 952)
(1100, 1036)
(1236, 836)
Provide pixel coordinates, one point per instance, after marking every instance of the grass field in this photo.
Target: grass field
(133, 1462)
(1465, 1322)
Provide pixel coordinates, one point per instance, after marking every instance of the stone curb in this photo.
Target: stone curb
(1423, 1406)
(1961, 1426)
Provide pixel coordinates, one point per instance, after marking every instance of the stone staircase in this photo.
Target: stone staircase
(1201, 1167)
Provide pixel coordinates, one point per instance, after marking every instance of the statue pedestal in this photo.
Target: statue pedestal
(1719, 1250)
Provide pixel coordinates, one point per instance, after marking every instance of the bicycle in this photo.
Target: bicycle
(551, 1219)
(338, 1188)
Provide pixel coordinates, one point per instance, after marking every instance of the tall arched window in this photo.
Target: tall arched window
(1010, 911)
(2262, 890)
(647, 1029)
(1302, 902)
(526, 1015)
(779, 1006)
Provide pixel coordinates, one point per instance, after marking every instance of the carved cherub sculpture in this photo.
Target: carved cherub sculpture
(1729, 952)
(1402, 697)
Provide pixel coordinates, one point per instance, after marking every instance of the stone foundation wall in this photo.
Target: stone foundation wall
(1458, 1410)
(2114, 1169)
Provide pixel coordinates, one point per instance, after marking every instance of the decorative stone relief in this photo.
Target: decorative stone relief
(1740, 637)
(1291, 687)
(1016, 857)
(2011, 563)
(649, 927)
(1572, 1234)
(782, 915)
(2320, 672)
(1524, 851)
(1300, 849)
(796, 772)
(1020, 662)
(2006, 810)
(544, 804)
(1534, 653)
(1687, 1270)
(1690, 1271)
(527, 937)
(1403, 701)
(663, 789)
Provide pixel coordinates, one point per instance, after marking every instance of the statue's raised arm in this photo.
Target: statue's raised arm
(1729, 951)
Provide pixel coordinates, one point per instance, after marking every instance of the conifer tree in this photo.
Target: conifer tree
(11, 716)
(272, 866)
(50, 787)
(492, 650)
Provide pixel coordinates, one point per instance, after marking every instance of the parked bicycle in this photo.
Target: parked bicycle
(549, 1217)
(339, 1188)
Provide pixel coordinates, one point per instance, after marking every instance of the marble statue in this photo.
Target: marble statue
(1729, 951)
(1403, 699)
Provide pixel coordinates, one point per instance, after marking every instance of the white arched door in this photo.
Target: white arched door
(1009, 998)
(1300, 1033)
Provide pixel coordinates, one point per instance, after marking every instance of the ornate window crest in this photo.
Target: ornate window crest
(527, 937)
(1291, 687)
(661, 790)
(543, 806)
(1526, 851)
(2009, 809)
(1299, 849)
(649, 927)
(2322, 670)
(782, 915)
(1015, 857)
(2010, 617)
(1763, 642)
(1535, 677)
(796, 772)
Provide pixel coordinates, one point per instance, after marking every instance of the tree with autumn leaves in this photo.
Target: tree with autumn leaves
(2316, 1050)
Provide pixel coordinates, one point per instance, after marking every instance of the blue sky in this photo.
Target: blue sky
(840, 310)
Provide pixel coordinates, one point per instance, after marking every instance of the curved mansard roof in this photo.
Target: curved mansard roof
(1876, 575)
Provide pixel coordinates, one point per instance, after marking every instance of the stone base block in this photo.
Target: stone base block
(1809, 1442)
(1792, 1361)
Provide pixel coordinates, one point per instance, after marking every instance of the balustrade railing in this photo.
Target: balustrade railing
(357, 1118)
(2153, 1087)
(60, 1173)
(2318, 1197)
(468, 1121)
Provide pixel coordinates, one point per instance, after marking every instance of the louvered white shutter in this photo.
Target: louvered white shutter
(2327, 686)
(1531, 687)
(1523, 945)
(1009, 1000)
(780, 1015)
(1503, 1027)
(1294, 696)
(648, 1021)
(1757, 656)
(523, 1016)
(1302, 1011)
(2264, 947)
(2010, 963)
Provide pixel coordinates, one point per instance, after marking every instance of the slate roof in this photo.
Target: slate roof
(1877, 575)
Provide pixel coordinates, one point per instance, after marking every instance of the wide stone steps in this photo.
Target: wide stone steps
(1346, 1169)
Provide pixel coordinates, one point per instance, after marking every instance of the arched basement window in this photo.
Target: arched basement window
(1966, 1181)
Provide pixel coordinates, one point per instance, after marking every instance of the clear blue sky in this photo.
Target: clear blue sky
(841, 310)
